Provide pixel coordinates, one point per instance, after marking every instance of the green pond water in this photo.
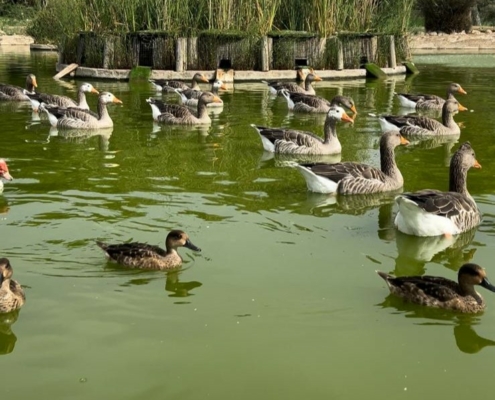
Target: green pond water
(283, 302)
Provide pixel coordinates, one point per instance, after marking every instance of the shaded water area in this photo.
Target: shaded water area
(283, 301)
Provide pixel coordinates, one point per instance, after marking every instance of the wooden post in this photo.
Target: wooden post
(80, 49)
(181, 54)
(392, 61)
(192, 53)
(108, 52)
(340, 55)
(265, 54)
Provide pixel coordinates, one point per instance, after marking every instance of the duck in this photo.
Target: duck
(290, 141)
(190, 97)
(12, 295)
(4, 173)
(429, 101)
(181, 115)
(76, 118)
(16, 93)
(418, 125)
(355, 178)
(169, 85)
(146, 256)
(439, 292)
(300, 102)
(276, 86)
(62, 101)
(433, 212)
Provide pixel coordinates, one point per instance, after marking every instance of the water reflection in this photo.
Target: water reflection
(81, 135)
(176, 288)
(466, 338)
(7, 337)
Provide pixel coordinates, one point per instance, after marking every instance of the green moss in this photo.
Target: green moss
(140, 73)
(287, 34)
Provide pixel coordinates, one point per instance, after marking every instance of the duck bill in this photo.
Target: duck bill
(462, 91)
(476, 164)
(346, 118)
(404, 141)
(462, 108)
(117, 101)
(216, 99)
(93, 90)
(487, 285)
(6, 175)
(353, 109)
(189, 245)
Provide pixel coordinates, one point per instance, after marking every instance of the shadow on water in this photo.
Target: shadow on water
(8, 338)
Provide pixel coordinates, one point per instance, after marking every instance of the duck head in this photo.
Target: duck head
(178, 238)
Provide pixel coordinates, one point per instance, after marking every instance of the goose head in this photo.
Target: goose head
(199, 77)
(5, 269)
(452, 106)
(392, 139)
(31, 81)
(107, 97)
(88, 88)
(4, 170)
(455, 88)
(338, 114)
(466, 157)
(312, 77)
(218, 84)
(178, 238)
(346, 102)
(472, 274)
(208, 97)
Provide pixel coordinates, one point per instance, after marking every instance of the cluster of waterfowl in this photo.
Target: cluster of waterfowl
(423, 213)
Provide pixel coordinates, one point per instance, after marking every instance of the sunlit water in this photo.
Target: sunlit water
(283, 302)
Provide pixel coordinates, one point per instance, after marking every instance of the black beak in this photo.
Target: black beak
(487, 285)
(189, 245)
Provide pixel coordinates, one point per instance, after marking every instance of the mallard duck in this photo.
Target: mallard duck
(16, 93)
(300, 102)
(417, 125)
(182, 115)
(169, 85)
(432, 212)
(190, 97)
(289, 141)
(275, 87)
(429, 101)
(76, 118)
(4, 173)
(12, 295)
(355, 178)
(62, 101)
(435, 291)
(146, 256)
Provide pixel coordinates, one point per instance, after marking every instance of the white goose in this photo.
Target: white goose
(434, 213)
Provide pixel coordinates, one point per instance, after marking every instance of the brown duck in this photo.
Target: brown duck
(12, 295)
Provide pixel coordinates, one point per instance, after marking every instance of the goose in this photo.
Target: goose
(434, 213)
(182, 115)
(439, 292)
(416, 125)
(300, 102)
(429, 101)
(16, 93)
(62, 101)
(169, 85)
(146, 256)
(12, 295)
(75, 118)
(294, 87)
(289, 141)
(4, 173)
(190, 97)
(355, 178)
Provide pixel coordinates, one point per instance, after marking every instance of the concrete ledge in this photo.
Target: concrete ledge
(240, 76)
(42, 47)
(15, 40)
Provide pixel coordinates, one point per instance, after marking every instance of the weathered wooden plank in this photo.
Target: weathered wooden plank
(66, 70)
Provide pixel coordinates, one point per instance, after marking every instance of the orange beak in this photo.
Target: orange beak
(223, 87)
(346, 118)
(403, 140)
(216, 99)
(353, 109)
(115, 100)
(462, 91)
(94, 91)
(35, 84)
(204, 79)
(317, 78)
(462, 108)
(476, 164)
(6, 175)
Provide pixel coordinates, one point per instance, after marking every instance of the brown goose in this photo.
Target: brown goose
(434, 213)
(62, 101)
(169, 85)
(294, 87)
(355, 178)
(300, 102)
(182, 115)
(16, 93)
(12, 295)
(435, 291)
(75, 118)
(418, 125)
(429, 101)
(146, 256)
(289, 141)
(190, 97)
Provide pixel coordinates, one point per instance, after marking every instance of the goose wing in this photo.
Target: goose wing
(419, 121)
(72, 112)
(346, 170)
(310, 100)
(192, 94)
(299, 138)
(52, 99)
(8, 92)
(445, 204)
